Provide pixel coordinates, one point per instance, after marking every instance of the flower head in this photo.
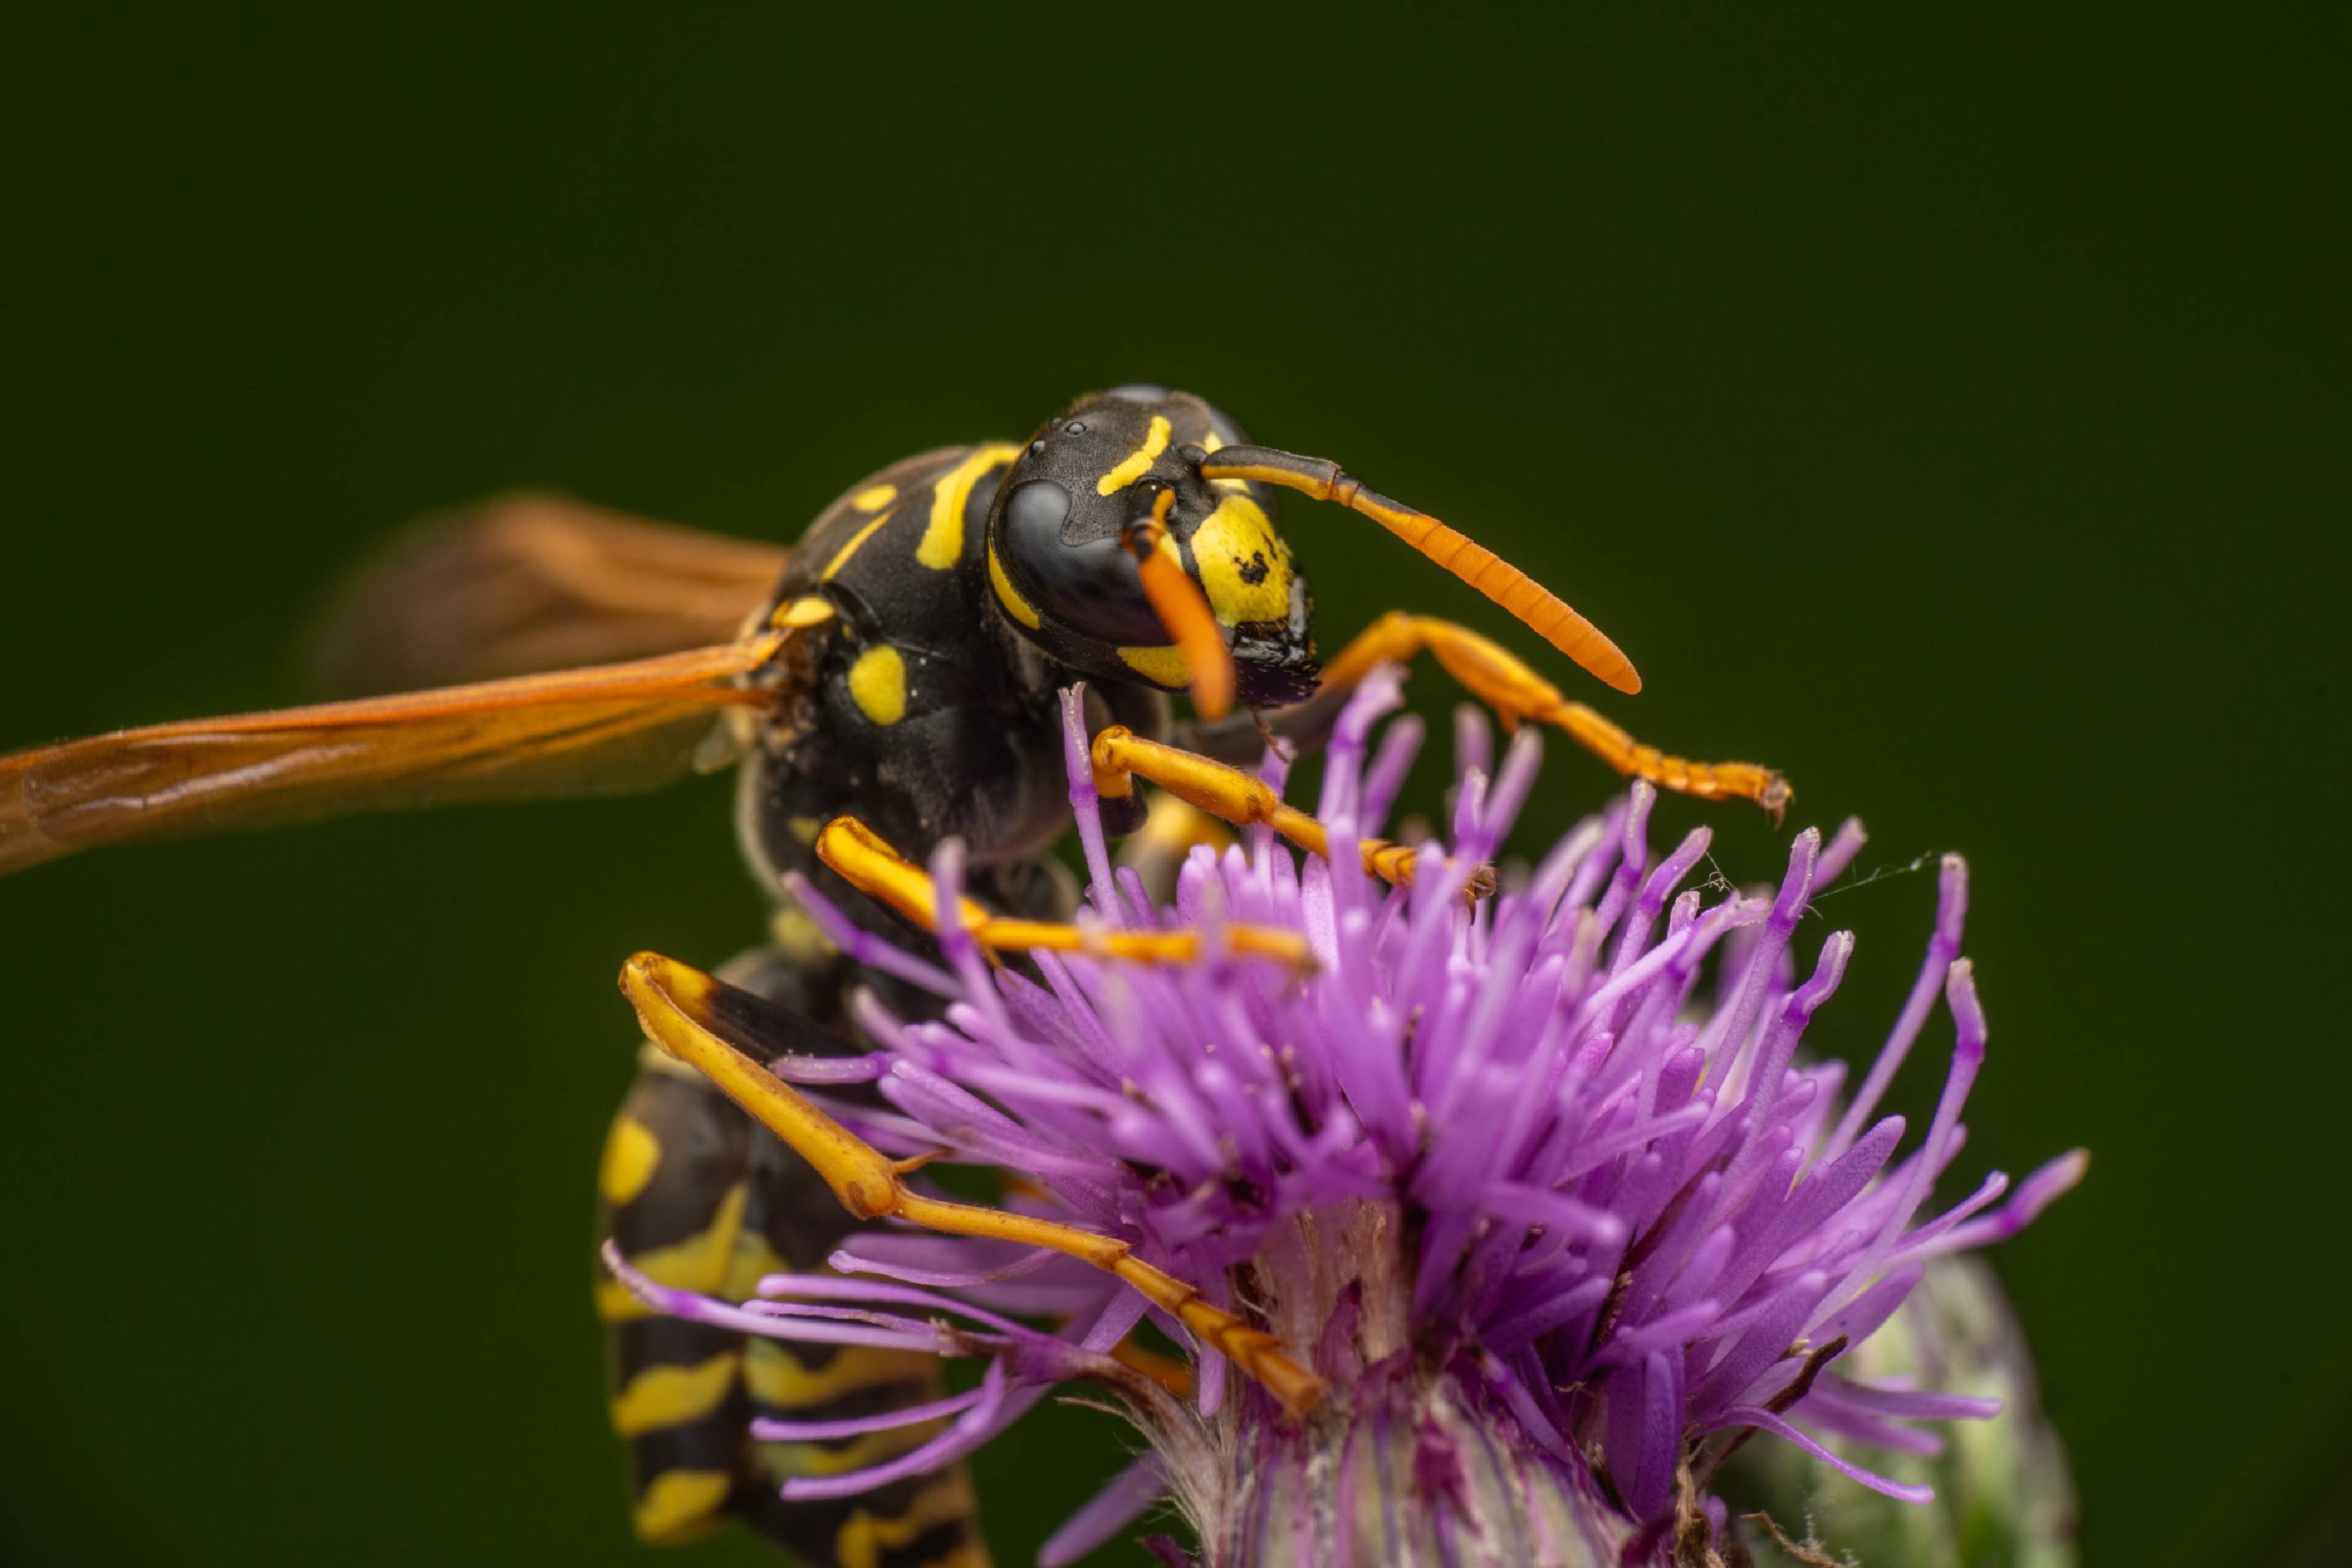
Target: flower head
(1540, 1183)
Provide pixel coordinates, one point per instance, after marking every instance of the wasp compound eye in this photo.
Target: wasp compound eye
(1036, 511)
(1086, 583)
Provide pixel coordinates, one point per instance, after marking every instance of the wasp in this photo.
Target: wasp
(887, 683)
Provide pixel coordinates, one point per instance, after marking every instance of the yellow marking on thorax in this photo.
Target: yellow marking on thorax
(697, 1263)
(878, 682)
(631, 1153)
(1164, 665)
(1007, 595)
(679, 1505)
(860, 1541)
(841, 556)
(670, 1396)
(942, 544)
(1136, 464)
(799, 615)
(1238, 534)
(874, 497)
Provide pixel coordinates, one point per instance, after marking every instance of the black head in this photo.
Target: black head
(1059, 546)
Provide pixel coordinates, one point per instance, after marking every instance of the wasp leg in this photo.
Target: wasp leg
(696, 1197)
(866, 860)
(701, 1020)
(1517, 693)
(1120, 756)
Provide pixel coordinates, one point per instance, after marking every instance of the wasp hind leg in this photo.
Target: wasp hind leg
(721, 1032)
(698, 1196)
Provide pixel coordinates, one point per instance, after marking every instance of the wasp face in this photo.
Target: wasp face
(1062, 570)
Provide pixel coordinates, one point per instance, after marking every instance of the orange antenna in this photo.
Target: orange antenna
(1537, 607)
(1182, 608)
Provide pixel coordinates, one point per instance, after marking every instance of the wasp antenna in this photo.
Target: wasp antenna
(1536, 606)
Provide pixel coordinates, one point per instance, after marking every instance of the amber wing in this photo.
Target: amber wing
(522, 583)
(606, 729)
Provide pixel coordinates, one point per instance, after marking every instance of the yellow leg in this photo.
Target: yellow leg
(867, 862)
(1120, 756)
(674, 1005)
(1498, 677)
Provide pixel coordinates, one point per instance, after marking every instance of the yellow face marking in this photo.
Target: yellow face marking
(697, 1263)
(680, 1505)
(1235, 544)
(631, 1153)
(841, 556)
(877, 681)
(808, 610)
(942, 544)
(1163, 665)
(1007, 595)
(862, 1536)
(874, 497)
(1137, 463)
(668, 1396)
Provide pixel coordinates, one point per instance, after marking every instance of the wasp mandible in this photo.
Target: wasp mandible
(893, 686)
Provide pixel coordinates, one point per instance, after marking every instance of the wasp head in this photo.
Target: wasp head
(1062, 546)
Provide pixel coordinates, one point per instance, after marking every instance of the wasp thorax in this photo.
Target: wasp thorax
(1061, 556)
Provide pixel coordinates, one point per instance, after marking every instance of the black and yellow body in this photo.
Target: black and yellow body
(897, 688)
(918, 704)
(924, 702)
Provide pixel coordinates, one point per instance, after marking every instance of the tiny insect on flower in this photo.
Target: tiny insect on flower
(1555, 1232)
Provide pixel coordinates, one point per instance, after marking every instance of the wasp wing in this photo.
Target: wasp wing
(607, 728)
(521, 582)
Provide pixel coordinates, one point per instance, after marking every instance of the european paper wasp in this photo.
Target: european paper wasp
(893, 685)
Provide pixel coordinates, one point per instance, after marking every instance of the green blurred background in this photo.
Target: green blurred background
(1950, 410)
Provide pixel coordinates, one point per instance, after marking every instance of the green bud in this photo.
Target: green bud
(2002, 1492)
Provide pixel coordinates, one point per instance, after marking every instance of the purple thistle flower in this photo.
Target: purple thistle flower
(1559, 1230)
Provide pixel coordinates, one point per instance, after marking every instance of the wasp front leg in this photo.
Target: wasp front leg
(1505, 683)
(697, 1195)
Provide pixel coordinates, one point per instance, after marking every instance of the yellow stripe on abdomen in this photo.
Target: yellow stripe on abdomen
(631, 1153)
(681, 1505)
(697, 1263)
(670, 1396)
(863, 1536)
